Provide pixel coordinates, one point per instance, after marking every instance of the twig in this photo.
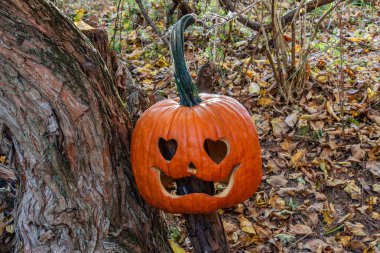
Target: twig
(341, 81)
(151, 23)
(286, 19)
(238, 15)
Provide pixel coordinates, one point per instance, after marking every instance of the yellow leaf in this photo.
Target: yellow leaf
(329, 213)
(355, 39)
(246, 225)
(371, 93)
(353, 190)
(297, 157)
(265, 101)
(251, 73)
(262, 83)
(176, 248)
(134, 55)
(344, 240)
(10, 229)
(3, 159)
(326, 216)
(83, 25)
(162, 62)
(79, 14)
(323, 79)
(375, 215)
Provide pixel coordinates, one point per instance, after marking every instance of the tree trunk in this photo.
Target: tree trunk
(71, 135)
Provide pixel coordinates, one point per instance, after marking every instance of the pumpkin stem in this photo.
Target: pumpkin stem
(187, 91)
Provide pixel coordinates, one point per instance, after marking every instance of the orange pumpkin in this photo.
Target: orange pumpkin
(210, 137)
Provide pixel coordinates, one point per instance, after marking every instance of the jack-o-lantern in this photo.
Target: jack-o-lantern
(208, 137)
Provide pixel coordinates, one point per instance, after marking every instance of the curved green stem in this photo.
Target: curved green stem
(187, 91)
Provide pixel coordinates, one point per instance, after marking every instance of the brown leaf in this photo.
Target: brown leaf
(300, 229)
(357, 153)
(374, 167)
(353, 190)
(277, 180)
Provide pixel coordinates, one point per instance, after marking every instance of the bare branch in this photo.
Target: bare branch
(151, 23)
(286, 19)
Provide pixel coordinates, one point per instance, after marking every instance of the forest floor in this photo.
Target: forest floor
(321, 189)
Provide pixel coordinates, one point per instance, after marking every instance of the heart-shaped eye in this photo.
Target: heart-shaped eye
(216, 150)
(167, 148)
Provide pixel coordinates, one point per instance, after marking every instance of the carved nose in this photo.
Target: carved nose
(191, 169)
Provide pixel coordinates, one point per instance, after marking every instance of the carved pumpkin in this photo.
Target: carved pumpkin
(207, 137)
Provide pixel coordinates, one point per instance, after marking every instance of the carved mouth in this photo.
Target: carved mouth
(192, 184)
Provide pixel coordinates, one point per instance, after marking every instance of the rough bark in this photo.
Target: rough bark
(71, 136)
(206, 231)
(206, 77)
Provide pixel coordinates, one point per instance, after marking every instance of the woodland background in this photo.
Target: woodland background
(311, 83)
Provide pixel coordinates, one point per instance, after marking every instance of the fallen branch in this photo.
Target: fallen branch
(285, 20)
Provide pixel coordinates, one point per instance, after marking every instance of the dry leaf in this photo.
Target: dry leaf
(176, 248)
(246, 225)
(292, 119)
(254, 88)
(357, 153)
(277, 180)
(279, 126)
(331, 111)
(353, 190)
(357, 228)
(297, 157)
(265, 101)
(300, 229)
(374, 167)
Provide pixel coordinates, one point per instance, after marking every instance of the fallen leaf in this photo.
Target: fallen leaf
(277, 180)
(176, 248)
(331, 111)
(265, 101)
(254, 88)
(297, 157)
(357, 153)
(356, 228)
(279, 126)
(292, 119)
(246, 225)
(353, 190)
(374, 167)
(229, 227)
(284, 238)
(300, 229)
(315, 245)
(134, 55)
(162, 62)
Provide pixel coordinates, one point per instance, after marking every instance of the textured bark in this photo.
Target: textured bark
(71, 136)
(206, 77)
(205, 230)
